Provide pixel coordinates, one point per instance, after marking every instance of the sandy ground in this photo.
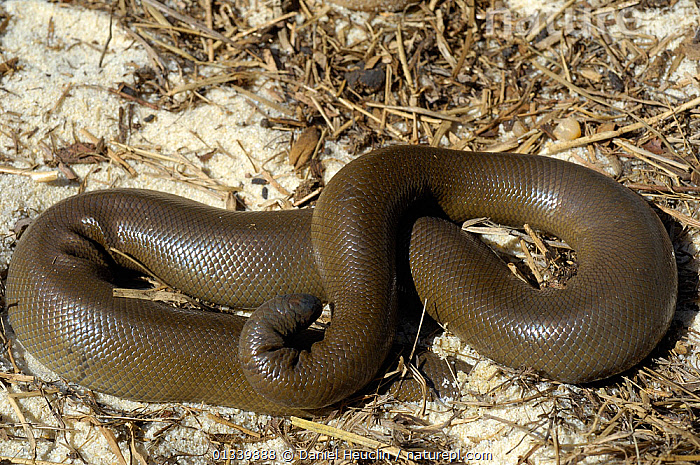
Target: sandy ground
(60, 46)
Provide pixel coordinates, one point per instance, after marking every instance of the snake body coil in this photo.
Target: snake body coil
(609, 316)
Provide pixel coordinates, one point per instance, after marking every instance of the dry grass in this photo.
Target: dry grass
(434, 76)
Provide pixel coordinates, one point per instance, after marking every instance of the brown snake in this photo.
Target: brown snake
(609, 316)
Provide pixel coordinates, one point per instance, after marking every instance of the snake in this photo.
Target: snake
(606, 319)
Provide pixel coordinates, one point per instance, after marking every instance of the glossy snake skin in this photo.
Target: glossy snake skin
(609, 316)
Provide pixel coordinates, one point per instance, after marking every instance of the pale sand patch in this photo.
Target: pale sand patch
(69, 56)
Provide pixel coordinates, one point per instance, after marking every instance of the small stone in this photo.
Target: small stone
(567, 129)
(519, 128)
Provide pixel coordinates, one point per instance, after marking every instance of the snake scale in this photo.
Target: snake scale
(609, 316)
